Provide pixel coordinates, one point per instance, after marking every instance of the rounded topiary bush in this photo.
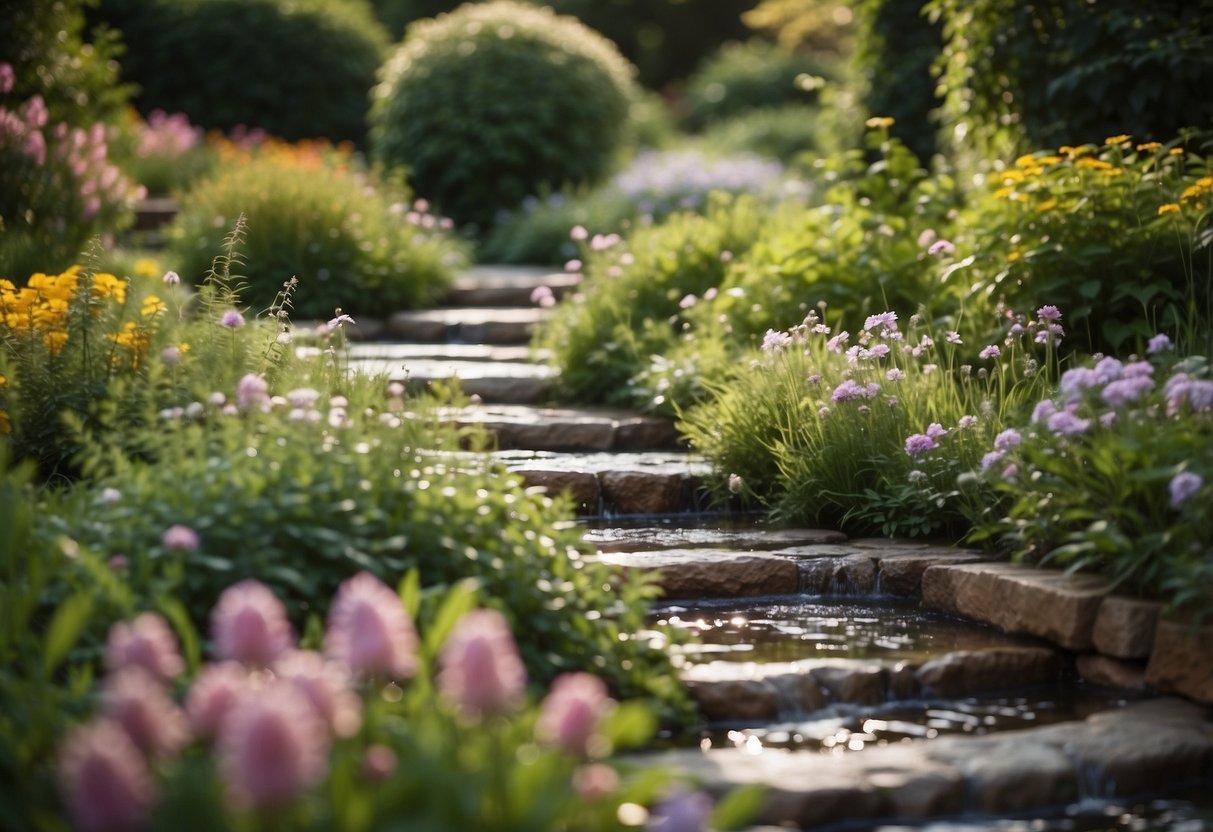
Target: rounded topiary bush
(497, 101)
(300, 69)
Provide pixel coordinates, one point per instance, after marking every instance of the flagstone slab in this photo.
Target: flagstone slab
(507, 285)
(1182, 660)
(567, 429)
(635, 539)
(860, 568)
(1050, 604)
(710, 573)
(1124, 627)
(406, 352)
(469, 325)
(504, 382)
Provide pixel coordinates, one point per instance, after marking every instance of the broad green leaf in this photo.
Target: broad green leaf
(739, 808)
(175, 612)
(410, 592)
(460, 600)
(65, 628)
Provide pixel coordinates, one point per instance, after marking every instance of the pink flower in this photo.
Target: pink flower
(578, 233)
(543, 296)
(775, 341)
(378, 763)
(105, 781)
(249, 624)
(272, 748)
(941, 247)
(180, 538)
(895, 374)
(595, 781)
(340, 320)
(1048, 313)
(7, 78)
(148, 643)
(137, 702)
(569, 715)
(481, 672)
(232, 319)
(965, 422)
(885, 320)
(991, 351)
(573, 265)
(327, 688)
(171, 278)
(214, 693)
(252, 391)
(936, 430)
(369, 631)
(838, 342)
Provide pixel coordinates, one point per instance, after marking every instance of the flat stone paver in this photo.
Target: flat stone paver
(406, 352)
(469, 325)
(507, 285)
(642, 538)
(567, 428)
(710, 573)
(492, 381)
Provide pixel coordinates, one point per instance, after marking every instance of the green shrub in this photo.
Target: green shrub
(628, 308)
(1020, 76)
(352, 242)
(782, 133)
(1111, 475)
(740, 77)
(297, 70)
(864, 429)
(1116, 234)
(499, 101)
(538, 230)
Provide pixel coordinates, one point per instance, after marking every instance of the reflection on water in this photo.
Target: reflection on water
(1184, 813)
(791, 628)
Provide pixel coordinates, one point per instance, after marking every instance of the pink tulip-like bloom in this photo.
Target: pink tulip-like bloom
(571, 712)
(180, 538)
(214, 693)
(137, 702)
(369, 631)
(326, 686)
(105, 781)
(146, 643)
(481, 672)
(272, 748)
(249, 624)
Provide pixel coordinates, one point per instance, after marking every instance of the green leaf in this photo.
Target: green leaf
(631, 725)
(739, 808)
(175, 612)
(460, 600)
(65, 627)
(410, 592)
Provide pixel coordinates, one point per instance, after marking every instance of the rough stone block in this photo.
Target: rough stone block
(1124, 627)
(1108, 672)
(641, 492)
(1182, 660)
(708, 573)
(966, 672)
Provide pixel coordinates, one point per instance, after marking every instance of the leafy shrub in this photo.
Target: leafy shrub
(538, 230)
(352, 242)
(58, 188)
(740, 77)
(628, 308)
(164, 153)
(1111, 475)
(782, 133)
(1021, 76)
(295, 69)
(498, 101)
(866, 430)
(1116, 234)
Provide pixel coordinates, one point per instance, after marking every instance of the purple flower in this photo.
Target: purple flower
(171, 278)
(992, 351)
(919, 443)
(885, 320)
(1159, 343)
(1048, 313)
(1183, 486)
(340, 320)
(966, 422)
(990, 460)
(895, 374)
(849, 390)
(1126, 390)
(953, 337)
(681, 812)
(936, 430)
(7, 78)
(942, 247)
(1182, 389)
(253, 391)
(1137, 369)
(141, 705)
(232, 319)
(775, 341)
(1010, 472)
(1078, 379)
(180, 538)
(877, 351)
(1065, 423)
(1043, 410)
(1108, 369)
(838, 342)
(1007, 439)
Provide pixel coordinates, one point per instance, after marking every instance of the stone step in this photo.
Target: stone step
(1132, 751)
(837, 568)
(566, 429)
(507, 285)
(405, 352)
(681, 536)
(465, 325)
(616, 484)
(505, 382)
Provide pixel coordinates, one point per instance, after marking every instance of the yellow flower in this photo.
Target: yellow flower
(1028, 160)
(1149, 147)
(1112, 141)
(1047, 205)
(1049, 160)
(108, 286)
(1200, 186)
(1004, 193)
(1169, 208)
(1176, 151)
(1111, 172)
(878, 121)
(1092, 163)
(147, 267)
(1014, 255)
(3, 381)
(152, 305)
(55, 341)
(1071, 152)
(183, 347)
(1010, 177)
(5, 426)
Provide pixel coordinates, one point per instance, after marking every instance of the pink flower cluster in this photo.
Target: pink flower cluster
(269, 712)
(165, 134)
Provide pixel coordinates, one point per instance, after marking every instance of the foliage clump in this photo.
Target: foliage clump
(498, 101)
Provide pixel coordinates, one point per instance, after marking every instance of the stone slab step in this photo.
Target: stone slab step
(651, 538)
(466, 325)
(507, 285)
(506, 382)
(1126, 752)
(613, 484)
(737, 692)
(405, 352)
(567, 429)
(840, 568)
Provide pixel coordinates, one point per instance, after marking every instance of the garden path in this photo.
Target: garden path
(838, 673)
